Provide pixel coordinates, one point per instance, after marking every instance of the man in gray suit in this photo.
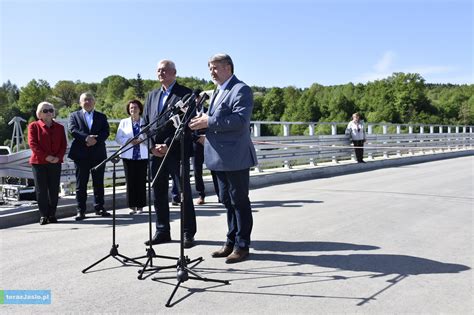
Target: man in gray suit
(229, 152)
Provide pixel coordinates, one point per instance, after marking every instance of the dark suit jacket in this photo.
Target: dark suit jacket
(79, 131)
(165, 134)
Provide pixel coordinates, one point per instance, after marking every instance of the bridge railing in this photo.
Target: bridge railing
(318, 145)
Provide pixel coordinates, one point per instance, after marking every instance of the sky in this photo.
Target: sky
(275, 43)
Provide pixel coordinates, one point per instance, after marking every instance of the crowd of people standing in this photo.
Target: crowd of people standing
(218, 136)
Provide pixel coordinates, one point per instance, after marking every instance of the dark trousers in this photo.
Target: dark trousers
(175, 184)
(234, 194)
(83, 169)
(359, 152)
(160, 192)
(47, 178)
(198, 161)
(136, 178)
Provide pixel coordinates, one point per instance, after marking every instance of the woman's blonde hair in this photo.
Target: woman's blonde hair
(40, 107)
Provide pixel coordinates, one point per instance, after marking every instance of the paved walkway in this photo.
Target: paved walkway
(387, 241)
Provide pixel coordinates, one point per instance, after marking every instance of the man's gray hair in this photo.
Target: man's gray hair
(168, 63)
(86, 95)
(223, 58)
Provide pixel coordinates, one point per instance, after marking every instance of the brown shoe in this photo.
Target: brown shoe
(237, 255)
(200, 201)
(225, 251)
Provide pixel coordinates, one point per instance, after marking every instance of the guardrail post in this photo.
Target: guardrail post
(431, 138)
(456, 140)
(286, 130)
(410, 141)
(369, 132)
(470, 137)
(440, 131)
(257, 132)
(257, 129)
(286, 133)
(449, 139)
(464, 142)
(398, 141)
(384, 131)
(333, 133)
(311, 129)
(422, 131)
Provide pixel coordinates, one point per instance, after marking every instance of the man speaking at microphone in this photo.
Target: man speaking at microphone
(229, 152)
(162, 102)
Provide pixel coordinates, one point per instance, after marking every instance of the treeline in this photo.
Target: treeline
(400, 98)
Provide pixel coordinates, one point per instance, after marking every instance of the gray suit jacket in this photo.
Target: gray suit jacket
(228, 144)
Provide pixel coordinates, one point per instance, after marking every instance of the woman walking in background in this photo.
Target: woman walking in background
(134, 160)
(47, 141)
(356, 131)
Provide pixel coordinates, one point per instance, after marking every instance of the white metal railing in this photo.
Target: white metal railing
(318, 145)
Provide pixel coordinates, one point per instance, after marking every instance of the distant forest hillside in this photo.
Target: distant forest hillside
(400, 98)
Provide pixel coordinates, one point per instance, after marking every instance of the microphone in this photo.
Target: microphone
(183, 104)
(204, 97)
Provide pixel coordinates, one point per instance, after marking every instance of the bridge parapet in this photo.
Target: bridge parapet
(384, 140)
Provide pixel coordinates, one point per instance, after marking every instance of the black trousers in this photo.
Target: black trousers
(359, 152)
(47, 178)
(136, 178)
(160, 192)
(83, 169)
(198, 161)
(234, 194)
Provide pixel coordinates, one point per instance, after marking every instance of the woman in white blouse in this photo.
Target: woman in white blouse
(356, 131)
(134, 160)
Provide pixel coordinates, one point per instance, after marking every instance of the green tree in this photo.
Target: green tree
(66, 92)
(140, 88)
(112, 88)
(32, 94)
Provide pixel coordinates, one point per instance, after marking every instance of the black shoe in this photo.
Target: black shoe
(159, 239)
(102, 213)
(188, 242)
(53, 219)
(43, 220)
(80, 216)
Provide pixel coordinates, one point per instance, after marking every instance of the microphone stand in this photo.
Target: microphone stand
(183, 270)
(114, 250)
(150, 252)
(114, 158)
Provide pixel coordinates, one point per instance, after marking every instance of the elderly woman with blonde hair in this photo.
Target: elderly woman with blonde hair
(47, 141)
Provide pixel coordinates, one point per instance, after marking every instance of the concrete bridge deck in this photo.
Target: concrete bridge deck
(384, 241)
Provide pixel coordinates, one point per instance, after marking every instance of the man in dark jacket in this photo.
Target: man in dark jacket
(90, 130)
(156, 108)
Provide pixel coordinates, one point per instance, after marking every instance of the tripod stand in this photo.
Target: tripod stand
(183, 270)
(150, 252)
(114, 250)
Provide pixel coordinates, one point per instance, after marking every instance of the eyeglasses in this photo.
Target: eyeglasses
(48, 110)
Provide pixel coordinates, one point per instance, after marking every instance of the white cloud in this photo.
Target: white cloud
(385, 62)
(385, 67)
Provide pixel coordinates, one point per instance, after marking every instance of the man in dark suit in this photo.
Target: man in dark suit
(157, 104)
(229, 152)
(198, 160)
(90, 130)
